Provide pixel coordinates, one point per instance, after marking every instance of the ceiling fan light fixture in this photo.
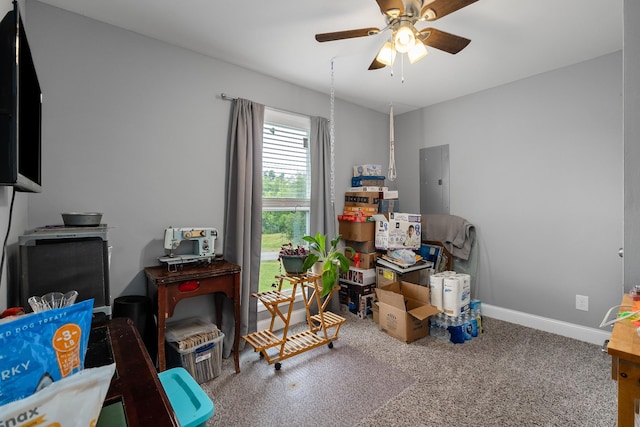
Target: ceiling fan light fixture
(417, 52)
(387, 54)
(404, 39)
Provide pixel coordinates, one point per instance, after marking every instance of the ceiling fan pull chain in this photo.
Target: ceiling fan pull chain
(392, 158)
(332, 138)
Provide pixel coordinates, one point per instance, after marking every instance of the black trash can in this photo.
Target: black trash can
(138, 309)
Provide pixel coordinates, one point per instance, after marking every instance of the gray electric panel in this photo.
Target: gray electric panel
(434, 180)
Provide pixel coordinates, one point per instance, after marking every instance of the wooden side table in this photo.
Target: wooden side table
(135, 388)
(220, 277)
(624, 348)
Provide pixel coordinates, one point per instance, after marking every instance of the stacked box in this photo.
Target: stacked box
(367, 170)
(386, 276)
(398, 231)
(362, 247)
(388, 194)
(358, 298)
(388, 205)
(359, 276)
(363, 181)
(358, 231)
(362, 198)
(362, 259)
(369, 188)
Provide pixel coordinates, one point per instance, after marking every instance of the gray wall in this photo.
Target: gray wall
(631, 143)
(135, 128)
(536, 166)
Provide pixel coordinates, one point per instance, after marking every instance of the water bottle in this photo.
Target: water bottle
(446, 322)
(466, 326)
(433, 326)
(456, 331)
(477, 306)
(474, 323)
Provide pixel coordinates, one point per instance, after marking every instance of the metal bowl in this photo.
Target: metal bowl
(81, 219)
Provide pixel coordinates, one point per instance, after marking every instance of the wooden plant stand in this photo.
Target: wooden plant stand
(319, 324)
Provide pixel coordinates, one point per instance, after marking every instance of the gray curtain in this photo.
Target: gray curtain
(323, 213)
(243, 216)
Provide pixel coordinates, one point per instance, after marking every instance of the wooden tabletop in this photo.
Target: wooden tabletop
(161, 275)
(624, 341)
(135, 384)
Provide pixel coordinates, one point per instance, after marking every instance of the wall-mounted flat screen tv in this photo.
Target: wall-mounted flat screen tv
(20, 108)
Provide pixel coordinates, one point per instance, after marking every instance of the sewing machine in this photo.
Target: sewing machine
(203, 241)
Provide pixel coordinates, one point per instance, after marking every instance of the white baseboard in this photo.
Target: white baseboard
(297, 316)
(570, 330)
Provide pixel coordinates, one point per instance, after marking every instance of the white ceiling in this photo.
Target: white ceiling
(510, 40)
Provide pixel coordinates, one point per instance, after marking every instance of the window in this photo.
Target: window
(286, 188)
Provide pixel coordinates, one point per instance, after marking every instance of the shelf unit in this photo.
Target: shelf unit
(323, 326)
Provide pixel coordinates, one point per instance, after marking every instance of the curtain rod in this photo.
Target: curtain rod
(229, 98)
(226, 97)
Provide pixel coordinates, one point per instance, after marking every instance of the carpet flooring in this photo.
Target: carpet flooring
(509, 376)
(319, 387)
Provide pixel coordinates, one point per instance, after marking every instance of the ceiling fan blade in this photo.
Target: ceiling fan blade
(376, 65)
(349, 34)
(392, 8)
(443, 41)
(439, 8)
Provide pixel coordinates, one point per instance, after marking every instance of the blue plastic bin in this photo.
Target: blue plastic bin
(190, 403)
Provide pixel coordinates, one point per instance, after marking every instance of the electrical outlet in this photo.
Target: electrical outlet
(582, 302)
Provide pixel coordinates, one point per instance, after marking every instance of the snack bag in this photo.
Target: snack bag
(74, 401)
(40, 348)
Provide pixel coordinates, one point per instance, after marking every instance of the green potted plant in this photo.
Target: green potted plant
(292, 258)
(332, 257)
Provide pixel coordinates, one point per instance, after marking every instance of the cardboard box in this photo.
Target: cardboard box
(386, 276)
(359, 276)
(389, 194)
(404, 310)
(367, 170)
(362, 210)
(360, 181)
(355, 217)
(362, 198)
(368, 189)
(367, 260)
(362, 247)
(351, 292)
(375, 311)
(343, 293)
(358, 298)
(398, 231)
(388, 205)
(357, 231)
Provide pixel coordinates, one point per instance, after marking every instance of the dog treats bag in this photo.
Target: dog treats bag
(40, 348)
(74, 401)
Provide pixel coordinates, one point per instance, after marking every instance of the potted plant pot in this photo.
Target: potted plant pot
(292, 264)
(292, 258)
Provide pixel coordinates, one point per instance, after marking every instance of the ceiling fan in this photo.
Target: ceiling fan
(401, 17)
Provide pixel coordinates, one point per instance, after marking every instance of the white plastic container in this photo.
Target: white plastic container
(203, 362)
(195, 345)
